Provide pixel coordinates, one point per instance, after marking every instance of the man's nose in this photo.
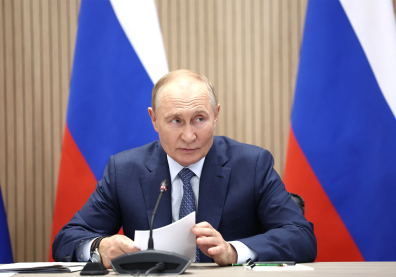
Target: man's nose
(188, 134)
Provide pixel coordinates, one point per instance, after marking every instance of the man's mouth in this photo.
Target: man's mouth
(188, 150)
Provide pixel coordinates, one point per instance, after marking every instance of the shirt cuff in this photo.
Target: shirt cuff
(83, 250)
(243, 251)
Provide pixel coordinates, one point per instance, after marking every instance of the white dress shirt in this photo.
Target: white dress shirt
(244, 252)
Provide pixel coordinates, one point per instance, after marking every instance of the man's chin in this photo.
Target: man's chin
(187, 161)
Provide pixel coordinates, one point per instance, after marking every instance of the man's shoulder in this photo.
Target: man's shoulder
(238, 152)
(138, 154)
(139, 160)
(228, 144)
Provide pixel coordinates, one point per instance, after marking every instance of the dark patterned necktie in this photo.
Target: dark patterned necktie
(187, 205)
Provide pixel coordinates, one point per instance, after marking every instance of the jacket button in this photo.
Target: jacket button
(67, 258)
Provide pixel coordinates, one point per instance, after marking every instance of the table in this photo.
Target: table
(361, 269)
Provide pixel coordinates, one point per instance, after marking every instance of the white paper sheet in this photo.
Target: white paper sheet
(176, 237)
(297, 267)
(7, 274)
(42, 267)
(16, 266)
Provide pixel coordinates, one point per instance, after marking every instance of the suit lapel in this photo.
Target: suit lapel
(213, 186)
(158, 170)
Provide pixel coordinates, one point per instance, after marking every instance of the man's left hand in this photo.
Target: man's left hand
(213, 245)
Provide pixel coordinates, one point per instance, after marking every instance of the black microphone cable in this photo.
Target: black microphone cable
(159, 267)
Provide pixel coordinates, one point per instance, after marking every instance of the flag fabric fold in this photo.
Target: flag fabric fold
(5, 242)
(119, 55)
(341, 155)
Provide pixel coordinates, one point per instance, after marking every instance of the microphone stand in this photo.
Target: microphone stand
(151, 261)
(163, 188)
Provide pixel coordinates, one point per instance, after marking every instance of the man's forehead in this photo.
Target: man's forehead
(185, 96)
(183, 81)
(184, 93)
(185, 89)
(182, 105)
(173, 104)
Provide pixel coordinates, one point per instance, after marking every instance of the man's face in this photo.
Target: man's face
(185, 120)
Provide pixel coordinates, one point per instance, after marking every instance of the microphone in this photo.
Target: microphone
(151, 261)
(163, 188)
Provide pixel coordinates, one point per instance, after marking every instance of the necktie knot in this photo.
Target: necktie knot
(185, 175)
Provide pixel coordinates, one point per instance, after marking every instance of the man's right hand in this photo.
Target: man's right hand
(112, 247)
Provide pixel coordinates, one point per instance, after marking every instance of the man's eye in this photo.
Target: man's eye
(176, 121)
(199, 119)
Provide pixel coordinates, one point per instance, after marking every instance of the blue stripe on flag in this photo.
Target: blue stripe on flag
(5, 243)
(346, 129)
(110, 89)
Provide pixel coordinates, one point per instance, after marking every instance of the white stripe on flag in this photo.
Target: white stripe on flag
(139, 21)
(375, 27)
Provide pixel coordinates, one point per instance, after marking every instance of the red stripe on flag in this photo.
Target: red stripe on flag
(76, 182)
(334, 241)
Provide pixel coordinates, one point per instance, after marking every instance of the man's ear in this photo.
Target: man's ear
(216, 115)
(153, 118)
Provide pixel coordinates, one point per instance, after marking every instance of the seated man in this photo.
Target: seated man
(243, 209)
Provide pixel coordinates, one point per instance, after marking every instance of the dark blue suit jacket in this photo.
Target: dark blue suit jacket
(240, 195)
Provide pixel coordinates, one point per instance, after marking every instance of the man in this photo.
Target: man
(243, 209)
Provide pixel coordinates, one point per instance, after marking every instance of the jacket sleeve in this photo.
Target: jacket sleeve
(100, 216)
(287, 235)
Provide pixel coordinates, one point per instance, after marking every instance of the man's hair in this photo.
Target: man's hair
(176, 74)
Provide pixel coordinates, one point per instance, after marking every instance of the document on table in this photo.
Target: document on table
(41, 267)
(297, 267)
(176, 237)
(7, 274)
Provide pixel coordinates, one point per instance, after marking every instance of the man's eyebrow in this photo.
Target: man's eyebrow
(169, 116)
(200, 111)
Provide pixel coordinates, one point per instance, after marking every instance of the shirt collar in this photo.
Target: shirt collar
(174, 167)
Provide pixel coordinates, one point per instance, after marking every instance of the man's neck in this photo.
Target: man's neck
(175, 167)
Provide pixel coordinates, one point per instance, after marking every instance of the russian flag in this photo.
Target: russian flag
(5, 243)
(342, 146)
(119, 55)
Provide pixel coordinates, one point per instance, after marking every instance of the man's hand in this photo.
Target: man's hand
(213, 245)
(112, 247)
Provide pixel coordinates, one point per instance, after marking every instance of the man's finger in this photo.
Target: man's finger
(208, 232)
(208, 241)
(216, 250)
(126, 245)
